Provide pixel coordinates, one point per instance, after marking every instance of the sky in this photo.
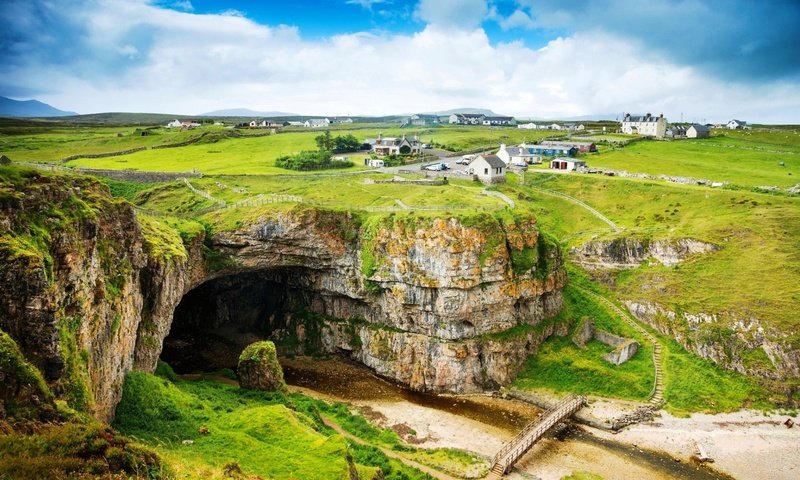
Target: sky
(692, 60)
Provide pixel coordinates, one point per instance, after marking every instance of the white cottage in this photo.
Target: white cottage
(568, 164)
(488, 169)
(645, 125)
(519, 156)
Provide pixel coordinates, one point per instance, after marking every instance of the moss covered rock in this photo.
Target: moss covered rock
(23, 392)
(259, 368)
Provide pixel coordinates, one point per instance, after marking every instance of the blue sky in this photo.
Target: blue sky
(700, 59)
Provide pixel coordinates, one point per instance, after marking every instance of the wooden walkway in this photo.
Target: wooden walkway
(515, 448)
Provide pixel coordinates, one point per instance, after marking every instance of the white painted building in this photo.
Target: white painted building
(565, 163)
(396, 146)
(645, 125)
(519, 156)
(737, 125)
(317, 123)
(174, 124)
(488, 169)
(697, 131)
(528, 126)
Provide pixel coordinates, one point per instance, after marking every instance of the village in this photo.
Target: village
(566, 152)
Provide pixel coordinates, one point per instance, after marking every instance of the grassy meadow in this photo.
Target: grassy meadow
(259, 433)
(746, 158)
(755, 273)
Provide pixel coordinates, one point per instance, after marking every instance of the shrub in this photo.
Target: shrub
(311, 160)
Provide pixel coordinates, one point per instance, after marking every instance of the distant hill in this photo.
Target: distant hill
(245, 112)
(483, 111)
(29, 108)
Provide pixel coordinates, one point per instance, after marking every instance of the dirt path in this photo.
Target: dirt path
(580, 203)
(389, 453)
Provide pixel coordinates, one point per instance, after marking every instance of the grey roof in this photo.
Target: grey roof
(498, 118)
(493, 161)
(470, 115)
(700, 128)
(519, 152)
(640, 118)
(740, 122)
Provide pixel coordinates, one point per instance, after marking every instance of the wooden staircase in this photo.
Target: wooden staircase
(656, 398)
(533, 432)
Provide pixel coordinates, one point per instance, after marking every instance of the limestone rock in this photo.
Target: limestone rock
(630, 252)
(259, 368)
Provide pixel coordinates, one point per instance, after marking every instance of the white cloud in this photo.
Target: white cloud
(175, 62)
(466, 14)
(184, 5)
(367, 4)
(518, 19)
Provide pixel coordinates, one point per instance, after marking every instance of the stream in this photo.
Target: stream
(480, 423)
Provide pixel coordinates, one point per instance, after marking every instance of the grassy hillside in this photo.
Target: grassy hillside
(258, 433)
(747, 158)
(755, 273)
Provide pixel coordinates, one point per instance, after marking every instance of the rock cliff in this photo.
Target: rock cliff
(440, 304)
(741, 345)
(630, 252)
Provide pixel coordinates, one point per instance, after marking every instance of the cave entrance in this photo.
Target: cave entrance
(215, 321)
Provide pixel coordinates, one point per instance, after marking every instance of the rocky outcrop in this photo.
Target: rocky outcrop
(630, 252)
(744, 346)
(89, 290)
(624, 348)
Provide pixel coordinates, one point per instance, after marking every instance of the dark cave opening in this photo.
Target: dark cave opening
(215, 321)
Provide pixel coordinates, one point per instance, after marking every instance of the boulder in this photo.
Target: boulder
(259, 368)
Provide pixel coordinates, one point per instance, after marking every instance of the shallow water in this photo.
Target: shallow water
(574, 448)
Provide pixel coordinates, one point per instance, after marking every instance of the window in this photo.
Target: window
(486, 171)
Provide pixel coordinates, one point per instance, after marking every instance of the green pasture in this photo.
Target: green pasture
(746, 158)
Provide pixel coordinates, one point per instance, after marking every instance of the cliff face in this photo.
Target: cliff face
(630, 252)
(741, 345)
(70, 264)
(90, 289)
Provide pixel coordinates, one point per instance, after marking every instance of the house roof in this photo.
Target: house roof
(493, 160)
(700, 128)
(470, 115)
(640, 118)
(740, 122)
(520, 152)
(498, 118)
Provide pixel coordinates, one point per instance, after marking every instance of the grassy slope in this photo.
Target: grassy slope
(692, 384)
(266, 434)
(742, 158)
(756, 273)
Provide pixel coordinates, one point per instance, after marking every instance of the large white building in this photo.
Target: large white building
(646, 125)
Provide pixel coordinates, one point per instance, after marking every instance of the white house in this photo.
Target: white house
(467, 118)
(556, 126)
(317, 123)
(645, 125)
(422, 119)
(488, 169)
(296, 124)
(697, 131)
(736, 125)
(396, 146)
(519, 156)
(497, 121)
(528, 126)
(568, 164)
(174, 124)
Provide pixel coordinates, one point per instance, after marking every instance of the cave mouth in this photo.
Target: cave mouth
(215, 321)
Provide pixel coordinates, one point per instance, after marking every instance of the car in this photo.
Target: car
(434, 167)
(463, 161)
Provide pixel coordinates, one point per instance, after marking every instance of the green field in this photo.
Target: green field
(746, 158)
